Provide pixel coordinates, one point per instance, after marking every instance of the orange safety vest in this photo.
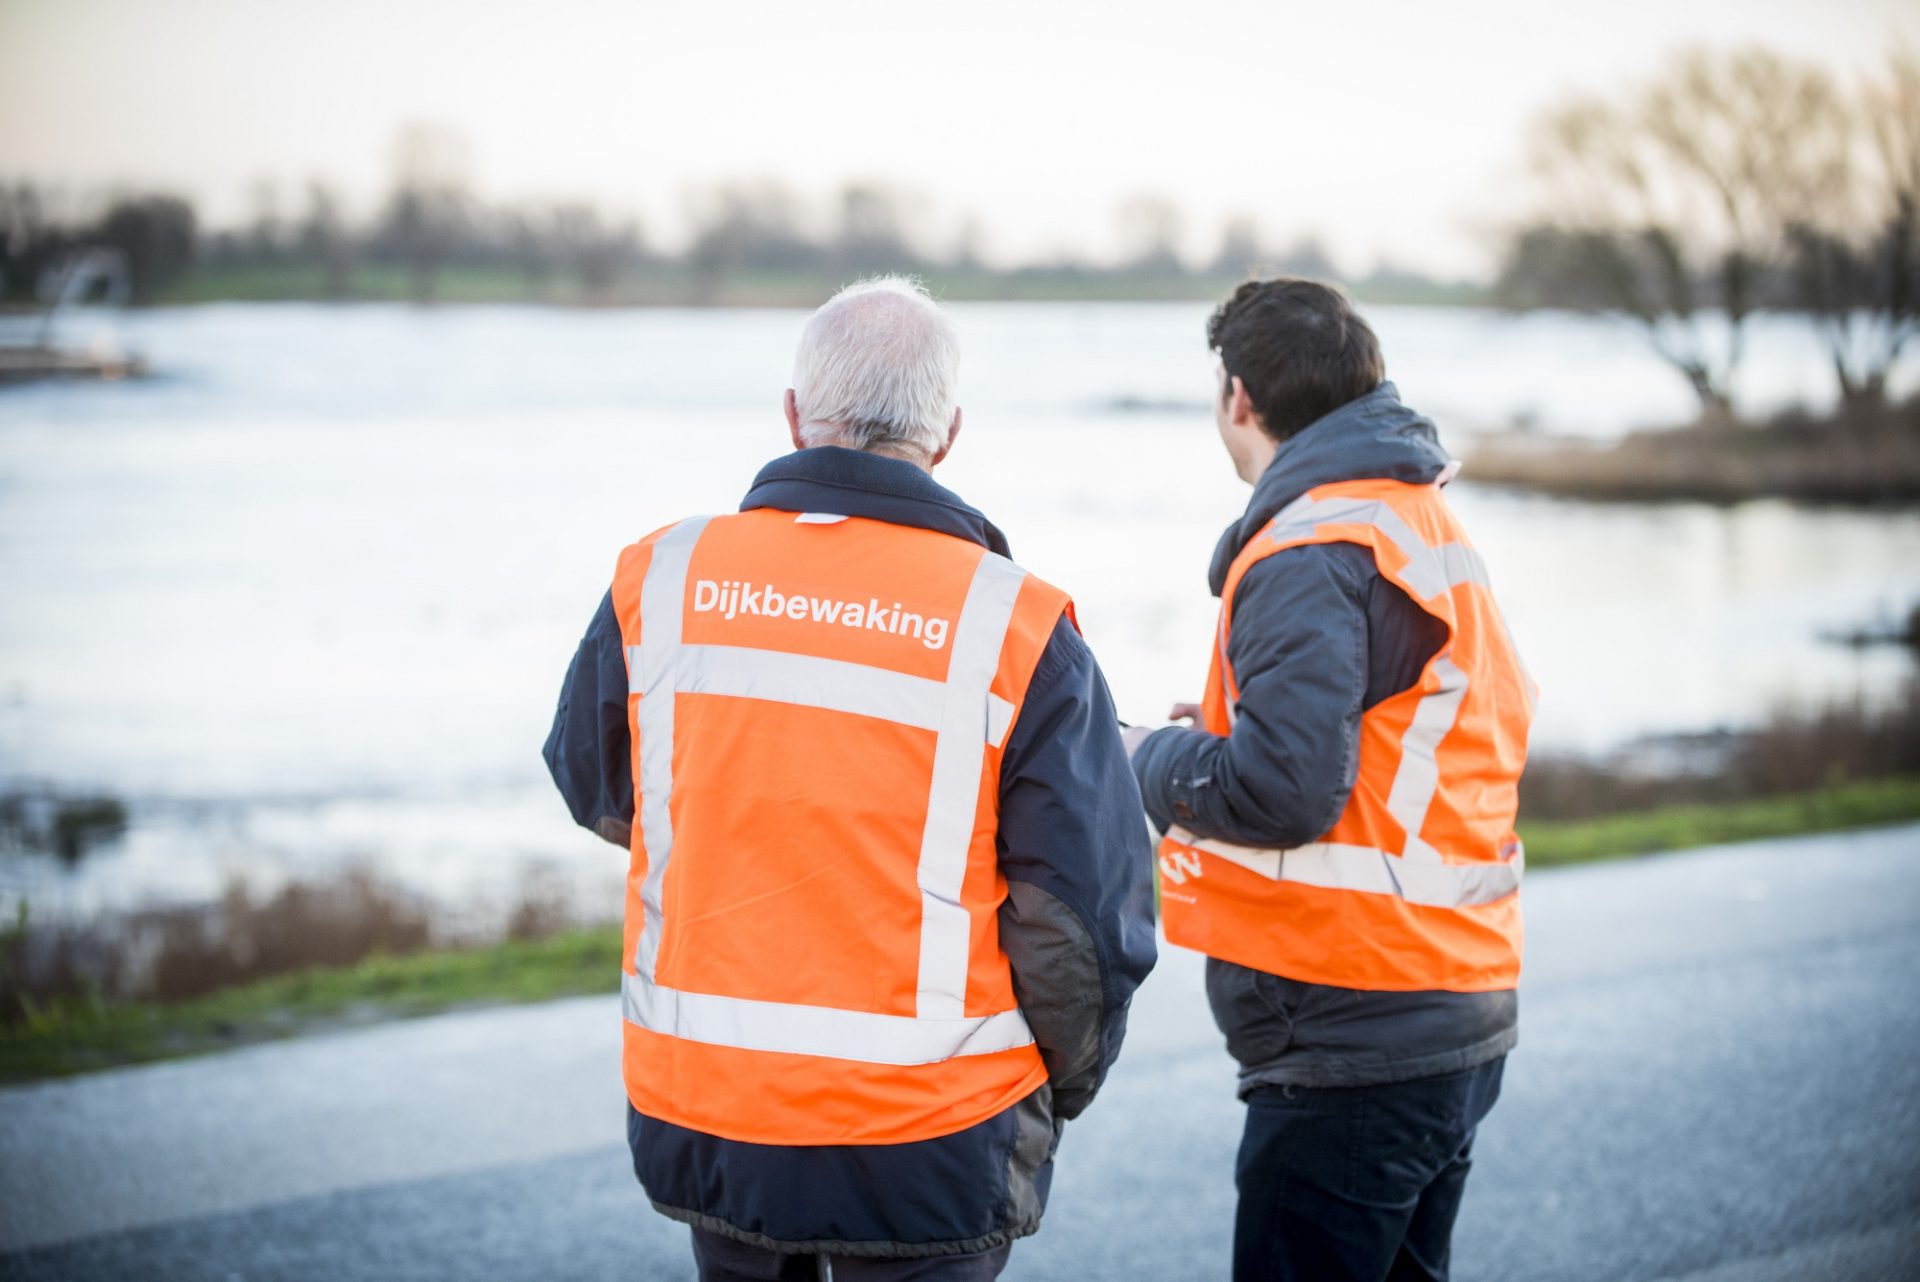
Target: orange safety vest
(818, 706)
(1416, 884)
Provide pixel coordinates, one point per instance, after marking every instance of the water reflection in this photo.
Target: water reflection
(307, 603)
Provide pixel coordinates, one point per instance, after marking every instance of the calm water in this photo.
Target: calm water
(307, 598)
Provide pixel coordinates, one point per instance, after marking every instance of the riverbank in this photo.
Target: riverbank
(1851, 457)
(72, 1034)
(680, 285)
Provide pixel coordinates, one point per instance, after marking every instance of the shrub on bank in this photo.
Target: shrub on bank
(1860, 456)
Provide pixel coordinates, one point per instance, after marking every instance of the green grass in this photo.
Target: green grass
(75, 1035)
(1860, 804)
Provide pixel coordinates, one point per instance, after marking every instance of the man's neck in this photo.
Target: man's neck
(898, 454)
(1259, 458)
(905, 456)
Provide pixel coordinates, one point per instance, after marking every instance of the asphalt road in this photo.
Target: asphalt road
(1718, 1078)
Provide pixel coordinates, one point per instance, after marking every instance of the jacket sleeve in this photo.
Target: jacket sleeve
(1298, 642)
(1077, 924)
(588, 751)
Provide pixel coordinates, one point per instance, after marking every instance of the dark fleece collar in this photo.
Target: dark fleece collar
(828, 478)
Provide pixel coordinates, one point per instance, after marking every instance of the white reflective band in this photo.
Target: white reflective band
(1420, 874)
(1226, 671)
(818, 518)
(1369, 871)
(1462, 564)
(999, 720)
(779, 676)
(1429, 570)
(651, 668)
(946, 928)
(817, 1030)
(1418, 777)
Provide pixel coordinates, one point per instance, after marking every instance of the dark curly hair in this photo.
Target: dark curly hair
(1300, 349)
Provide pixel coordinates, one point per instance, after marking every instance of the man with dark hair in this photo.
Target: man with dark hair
(1339, 828)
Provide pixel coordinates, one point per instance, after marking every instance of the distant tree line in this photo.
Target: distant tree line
(154, 235)
(1731, 185)
(431, 223)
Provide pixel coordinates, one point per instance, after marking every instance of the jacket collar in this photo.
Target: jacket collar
(828, 478)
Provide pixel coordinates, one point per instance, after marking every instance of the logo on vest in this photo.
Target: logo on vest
(1181, 863)
(732, 599)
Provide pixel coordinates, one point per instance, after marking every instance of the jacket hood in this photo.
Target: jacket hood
(1373, 438)
(829, 478)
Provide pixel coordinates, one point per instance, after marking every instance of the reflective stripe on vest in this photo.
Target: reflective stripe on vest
(1414, 886)
(1369, 871)
(817, 1030)
(966, 719)
(1429, 570)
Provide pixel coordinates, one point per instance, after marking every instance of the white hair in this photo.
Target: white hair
(878, 367)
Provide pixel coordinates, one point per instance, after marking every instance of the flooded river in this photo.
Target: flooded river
(305, 599)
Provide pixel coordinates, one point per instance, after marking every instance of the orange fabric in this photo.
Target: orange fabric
(797, 834)
(760, 908)
(1361, 939)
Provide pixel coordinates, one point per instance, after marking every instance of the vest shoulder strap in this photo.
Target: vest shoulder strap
(1416, 542)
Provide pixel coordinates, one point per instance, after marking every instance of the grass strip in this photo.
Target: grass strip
(679, 284)
(75, 1036)
(1859, 804)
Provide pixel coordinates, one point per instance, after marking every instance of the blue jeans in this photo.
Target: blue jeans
(1357, 1183)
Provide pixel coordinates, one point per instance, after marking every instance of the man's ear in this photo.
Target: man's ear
(1240, 411)
(953, 434)
(793, 419)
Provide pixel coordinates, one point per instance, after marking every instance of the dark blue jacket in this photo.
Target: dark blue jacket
(1317, 638)
(1077, 928)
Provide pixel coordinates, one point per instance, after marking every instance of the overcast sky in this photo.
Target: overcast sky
(1392, 129)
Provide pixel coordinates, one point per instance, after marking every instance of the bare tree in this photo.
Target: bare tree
(1306, 257)
(429, 202)
(324, 239)
(266, 234)
(968, 252)
(1150, 230)
(1856, 256)
(873, 230)
(530, 249)
(594, 251)
(155, 235)
(741, 226)
(1242, 250)
(1673, 207)
(32, 238)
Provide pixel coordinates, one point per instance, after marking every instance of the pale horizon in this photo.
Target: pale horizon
(1389, 132)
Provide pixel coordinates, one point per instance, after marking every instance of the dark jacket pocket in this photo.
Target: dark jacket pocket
(1249, 1008)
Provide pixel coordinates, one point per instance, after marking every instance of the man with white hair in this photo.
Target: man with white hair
(888, 897)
